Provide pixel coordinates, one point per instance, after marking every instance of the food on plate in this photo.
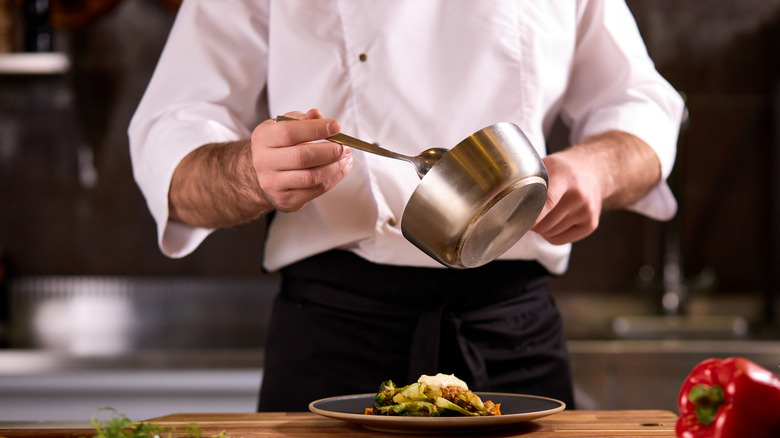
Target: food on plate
(442, 395)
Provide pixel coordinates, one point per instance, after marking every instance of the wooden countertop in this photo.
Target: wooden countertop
(618, 423)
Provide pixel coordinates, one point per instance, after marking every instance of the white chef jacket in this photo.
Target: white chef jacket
(407, 74)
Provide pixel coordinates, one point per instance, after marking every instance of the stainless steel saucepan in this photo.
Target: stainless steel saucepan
(475, 201)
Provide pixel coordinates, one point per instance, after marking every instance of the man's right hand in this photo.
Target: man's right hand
(282, 167)
(292, 166)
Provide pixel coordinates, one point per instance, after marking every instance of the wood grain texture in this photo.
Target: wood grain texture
(620, 423)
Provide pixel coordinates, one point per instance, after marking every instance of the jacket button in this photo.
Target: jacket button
(391, 222)
(362, 57)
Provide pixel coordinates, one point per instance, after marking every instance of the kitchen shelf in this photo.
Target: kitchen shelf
(33, 63)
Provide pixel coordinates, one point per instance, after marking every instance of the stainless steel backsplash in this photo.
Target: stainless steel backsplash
(106, 315)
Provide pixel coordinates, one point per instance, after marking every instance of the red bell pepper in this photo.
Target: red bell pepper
(725, 398)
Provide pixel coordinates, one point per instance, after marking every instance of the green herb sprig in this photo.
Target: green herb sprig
(119, 426)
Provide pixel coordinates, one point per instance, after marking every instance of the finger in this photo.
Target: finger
(552, 214)
(295, 179)
(566, 225)
(308, 156)
(570, 235)
(549, 214)
(292, 200)
(291, 192)
(346, 166)
(572, 217)
(295, 115)
(287, 133)
(574, 221)
(313, 113)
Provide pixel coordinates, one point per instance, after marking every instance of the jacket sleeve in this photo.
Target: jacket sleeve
(207, 87)
(615, 86)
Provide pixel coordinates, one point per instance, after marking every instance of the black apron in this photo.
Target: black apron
(342, 325)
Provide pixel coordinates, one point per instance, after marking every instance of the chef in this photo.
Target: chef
(360, 304)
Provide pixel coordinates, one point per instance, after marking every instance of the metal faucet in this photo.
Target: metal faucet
(675, 289)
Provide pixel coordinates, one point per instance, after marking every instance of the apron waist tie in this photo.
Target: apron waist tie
(424, 358)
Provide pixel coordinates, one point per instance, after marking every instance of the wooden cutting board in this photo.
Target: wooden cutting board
(634, 423)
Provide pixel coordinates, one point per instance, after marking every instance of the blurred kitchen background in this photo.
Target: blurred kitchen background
(92, 315)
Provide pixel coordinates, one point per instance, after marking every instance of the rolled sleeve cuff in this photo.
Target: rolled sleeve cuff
(157, 148)
(658, 127)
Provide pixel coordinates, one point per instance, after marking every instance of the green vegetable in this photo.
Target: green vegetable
(446, 404)
(420, 400)
(415, 409)
(119, 426)
(387, 390)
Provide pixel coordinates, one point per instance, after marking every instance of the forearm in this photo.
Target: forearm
(281, 168)
(216, 186)
(627, 167)
(607, 171)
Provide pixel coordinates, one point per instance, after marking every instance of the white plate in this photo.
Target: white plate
(515, 408)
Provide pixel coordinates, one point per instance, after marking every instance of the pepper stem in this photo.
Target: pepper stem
(707, 400)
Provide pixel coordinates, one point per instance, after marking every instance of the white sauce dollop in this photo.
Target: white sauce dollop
(443, 380)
